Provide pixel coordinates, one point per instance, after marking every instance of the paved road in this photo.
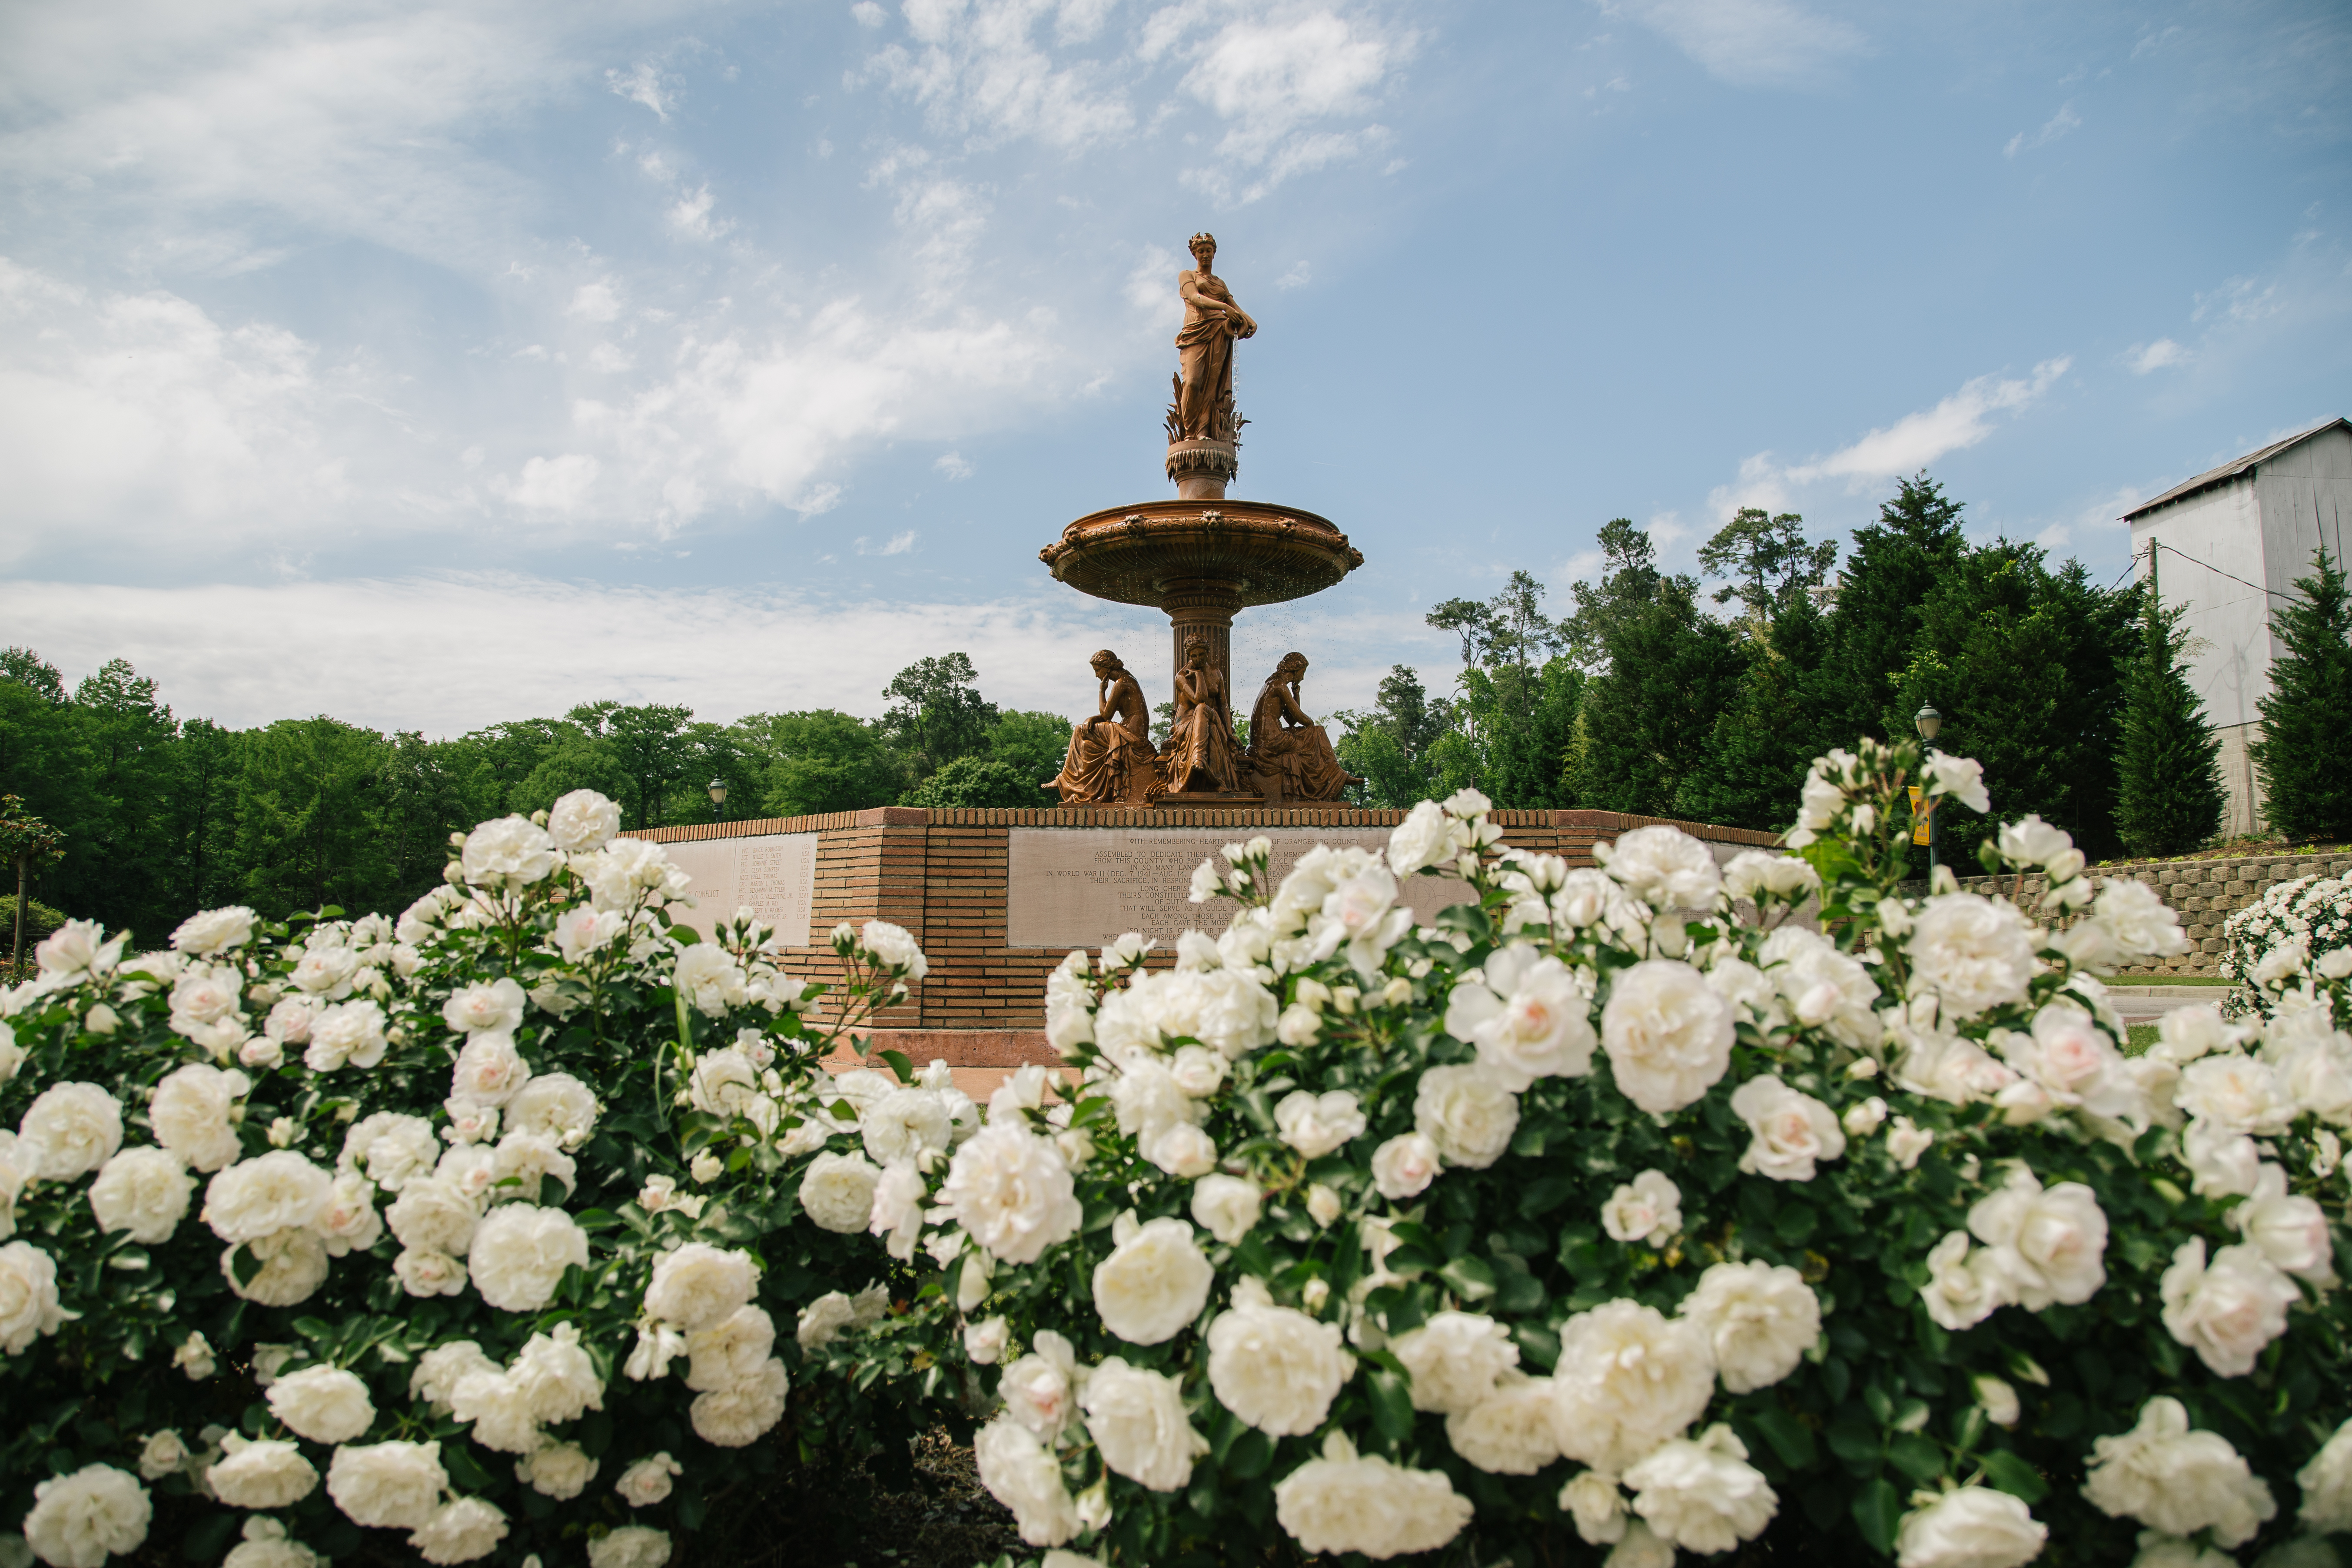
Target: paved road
(2147, 1009)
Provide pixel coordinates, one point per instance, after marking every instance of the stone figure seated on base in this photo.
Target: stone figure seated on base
(1199, 756)
(1290, 756)
(1110, 761)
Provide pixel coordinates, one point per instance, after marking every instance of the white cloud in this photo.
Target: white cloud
(641, 85)
(554, 484)
(595, 303)
(2057, 125)
(897, 545)
(1299, 277)
(953, 466)
(977, 70)
(2157, 355)
(1750, 43)
(691, 216)
(1273, 79)
(869, 14)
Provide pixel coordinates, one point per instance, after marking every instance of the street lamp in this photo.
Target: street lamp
(718, 798)
(1930, 721)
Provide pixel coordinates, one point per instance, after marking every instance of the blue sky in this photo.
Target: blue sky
(432, 365)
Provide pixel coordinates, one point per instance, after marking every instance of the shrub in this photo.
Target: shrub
(470, 1231)
(1587, 1222)
(2273, 943)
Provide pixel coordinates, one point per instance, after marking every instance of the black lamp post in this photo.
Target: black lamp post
(718, 798)
(1929, 723)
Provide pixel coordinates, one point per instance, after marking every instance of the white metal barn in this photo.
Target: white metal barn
(2233, 541)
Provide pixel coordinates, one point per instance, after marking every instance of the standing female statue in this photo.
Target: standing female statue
(1287, 748)
(1199, 756)
(1204, 392)
(1110, 757)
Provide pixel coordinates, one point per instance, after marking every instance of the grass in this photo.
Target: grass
(2213, 980)
(2139, 1036)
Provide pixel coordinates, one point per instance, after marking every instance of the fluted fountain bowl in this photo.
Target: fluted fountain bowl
(1144, 553)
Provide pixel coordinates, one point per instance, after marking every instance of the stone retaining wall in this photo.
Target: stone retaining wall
(2203, 893)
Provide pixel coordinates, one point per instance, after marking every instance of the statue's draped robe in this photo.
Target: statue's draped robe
(1200, 750)
(1285, 742)
(1108, 760)
(1206, 353)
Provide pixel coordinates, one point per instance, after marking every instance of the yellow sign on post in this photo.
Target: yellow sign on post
(1922, 814)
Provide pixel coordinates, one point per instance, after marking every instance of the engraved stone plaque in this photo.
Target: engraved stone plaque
(774, 873)
(1083, 886)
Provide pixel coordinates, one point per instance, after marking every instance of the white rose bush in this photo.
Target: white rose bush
(1594, 1222)
(490, 1233)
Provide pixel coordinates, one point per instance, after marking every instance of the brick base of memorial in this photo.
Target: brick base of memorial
(997, 898)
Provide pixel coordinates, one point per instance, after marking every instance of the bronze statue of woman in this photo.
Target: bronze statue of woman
(1110, 757)
(1204, 395)
(1287, 747)
(1199, 756)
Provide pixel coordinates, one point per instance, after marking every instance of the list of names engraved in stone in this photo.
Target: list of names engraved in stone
(1083, 886)
(775, 874)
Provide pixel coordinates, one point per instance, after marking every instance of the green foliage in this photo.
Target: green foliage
(1773, 727)
(2168, 791)
(970, 781)
(1646, 720)
(1389, 745)
(1032, 744)
(938, 713)
(2305, 756)
(821, 760)
(1767, 559)
(1893, 566)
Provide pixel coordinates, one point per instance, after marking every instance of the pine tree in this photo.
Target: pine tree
(1891, 572)
(2168, 790)
(2305, 756)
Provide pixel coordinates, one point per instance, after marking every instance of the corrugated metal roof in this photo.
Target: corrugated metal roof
(2228, 471)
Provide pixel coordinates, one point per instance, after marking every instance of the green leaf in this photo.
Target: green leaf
(1546, 1194)
(2011, 1474)
(208, 1538)
(1252, 1451)
(1471, 1277)
(900, 1063)
(1391, 1405)
(1876, 1511)
(1788, 1437)
(1919, 1458)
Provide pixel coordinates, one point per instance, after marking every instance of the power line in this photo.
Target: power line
(2157, 544)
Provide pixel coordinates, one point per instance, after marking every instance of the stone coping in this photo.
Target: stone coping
(1596, 823)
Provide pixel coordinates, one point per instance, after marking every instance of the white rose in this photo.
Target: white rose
(142, 1190)
(1276, 1368)
(1181, 1150)
(459, 1531)
(1974, 1527)
(1315, 1125)
(838, 1191)
(1666, 869)
(903, 1124)
(1752, 872)
(487, 1006)
(559, 1470)
(293, 1265)
(1863, 1117)
(68, 1131)
(519, 1255)
(1648, 1209)
(2292, 1231)
(1528, 1020)
(260, 1474)
(78, 946)
(2177, 1480)
(558, 1376)
(1137, 1420)
(1593, 1499)
(1343, 1502)
(631, 1546)
(894, 948)
(2317, 1074)
(1424, 839)
(511, 852)
(442, 1368)
(648, 1481)
(1971, 952)
(1404, 1166)
(387, 1486)
(1467, 1112)
(1013, 1192)
(1791, 1130)
(1040, 1389)
(582, 820)
(349, 1034)
(1154, 1282)
(488, 1071)
(2228, 1312)
(1701, 1493)
(1197, 1070)
(697, 1286)
(2238, 1093)
(78, 1520)
(162, 1453)
(1510, 1432)
(2327, 1485)
(1022, 1474)
(985, 1340)
(1628, 1379)
(324, 1403)
(261, 1196)
(2052, 1243)
(1225, 1206)
(1822, 987)
(1906, 1141)
(493, 1402)
(348, 1221)
(1667, 1035)
(194, 1358)
(434, 1215)
(326, 969)
(1759, 1319)
(389, 1148)
(730, 1351)
(190, 1114)
(1224, 1009)
(2137, 920)
(1454, 1359)
(1962, 1289)
(523, 1161)
(821, 1320)
(214, 930)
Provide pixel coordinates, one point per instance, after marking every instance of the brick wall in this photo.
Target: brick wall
(2203, 893)
(941, 875)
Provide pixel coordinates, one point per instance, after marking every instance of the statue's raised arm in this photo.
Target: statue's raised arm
(1205, 382)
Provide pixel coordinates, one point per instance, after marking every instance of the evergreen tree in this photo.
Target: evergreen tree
(2305, 756)
(1774, 726)
(1629, 582)
(2168, 791)
(1389, 745)
(1882, 598)
(1645, 722)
